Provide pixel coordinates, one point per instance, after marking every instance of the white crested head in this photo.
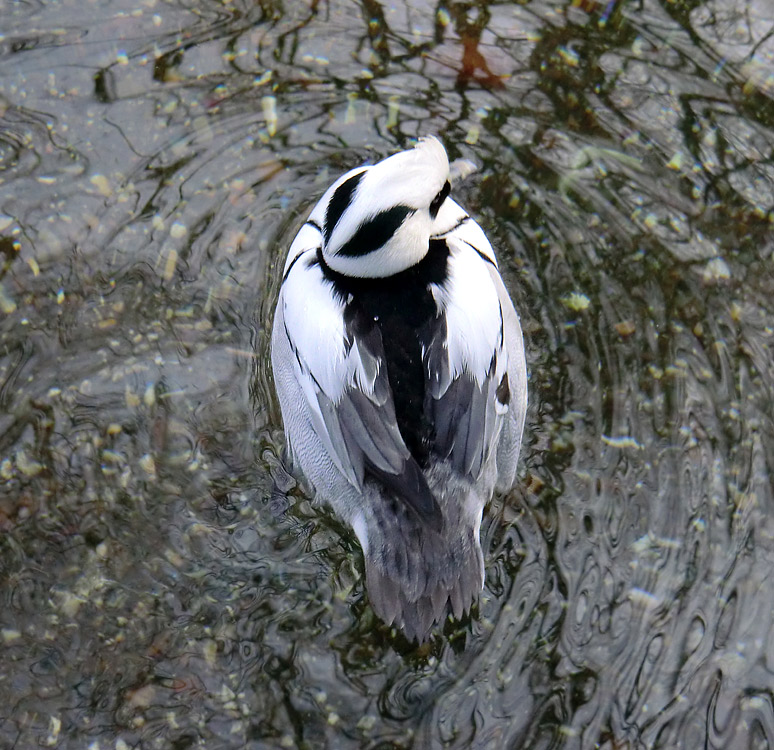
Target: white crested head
(377, 221)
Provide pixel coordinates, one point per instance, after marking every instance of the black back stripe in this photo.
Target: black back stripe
(340, 202)
(375, 232)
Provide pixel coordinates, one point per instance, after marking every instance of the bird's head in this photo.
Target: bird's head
(377, 220)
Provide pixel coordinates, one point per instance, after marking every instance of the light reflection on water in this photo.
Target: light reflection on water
(164, 583)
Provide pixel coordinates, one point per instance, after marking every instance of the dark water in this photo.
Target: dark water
(163, 584)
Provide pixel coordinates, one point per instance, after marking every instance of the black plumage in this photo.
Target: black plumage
(376, 232)
(342, 197)
(403, 310)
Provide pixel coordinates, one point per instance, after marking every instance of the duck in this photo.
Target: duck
(399, 365)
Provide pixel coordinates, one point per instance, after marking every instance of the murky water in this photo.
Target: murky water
(163, 582)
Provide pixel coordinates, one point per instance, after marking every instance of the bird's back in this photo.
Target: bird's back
(402, 381)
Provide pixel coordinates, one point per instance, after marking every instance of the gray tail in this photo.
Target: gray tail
(416, 575)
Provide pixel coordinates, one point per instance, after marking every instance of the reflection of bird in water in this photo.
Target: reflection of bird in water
(399, 364)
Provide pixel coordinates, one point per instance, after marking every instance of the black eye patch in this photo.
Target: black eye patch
(435, 206)
(375, 232)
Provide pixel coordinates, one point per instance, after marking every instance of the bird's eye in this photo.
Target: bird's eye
(439, 199)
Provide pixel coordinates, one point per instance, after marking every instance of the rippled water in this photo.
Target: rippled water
(163, 582)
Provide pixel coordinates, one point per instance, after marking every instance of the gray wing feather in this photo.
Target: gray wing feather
(513, 426)
(367, 431)
(363, 431)
(339, 440)
(462, 411)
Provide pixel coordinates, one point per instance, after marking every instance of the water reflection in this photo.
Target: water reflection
(165, 583)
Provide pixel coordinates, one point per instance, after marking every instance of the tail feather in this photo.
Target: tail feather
(457, 601)
(384, 596)
(415, 575)
(438, 597)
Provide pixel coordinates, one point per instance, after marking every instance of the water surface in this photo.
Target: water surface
(165, 584)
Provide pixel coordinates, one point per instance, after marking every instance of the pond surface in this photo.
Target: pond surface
(165, 584)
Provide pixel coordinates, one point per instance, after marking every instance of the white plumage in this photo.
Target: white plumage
(399, 364)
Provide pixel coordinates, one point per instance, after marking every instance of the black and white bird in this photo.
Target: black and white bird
(399, 364)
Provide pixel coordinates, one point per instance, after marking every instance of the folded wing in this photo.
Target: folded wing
(466, 356)
(340, 366)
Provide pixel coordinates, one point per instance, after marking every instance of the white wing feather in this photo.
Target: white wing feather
(454, 222)
(467, 359)
(344, 385)
(324, 366)
(469, 301)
